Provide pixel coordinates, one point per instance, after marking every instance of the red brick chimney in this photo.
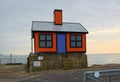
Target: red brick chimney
(58, 17)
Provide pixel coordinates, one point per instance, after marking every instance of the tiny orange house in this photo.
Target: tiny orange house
(58, 36)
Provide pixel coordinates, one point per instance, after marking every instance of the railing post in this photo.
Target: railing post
(110, 78)
(10, 58)
(0, 61)
(84, 77)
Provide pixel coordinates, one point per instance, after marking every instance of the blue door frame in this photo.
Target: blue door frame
(61, 43)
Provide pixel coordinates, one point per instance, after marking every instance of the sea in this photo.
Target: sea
(102, 59)
(93, 59)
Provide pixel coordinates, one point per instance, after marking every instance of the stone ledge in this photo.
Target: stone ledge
(53, 61)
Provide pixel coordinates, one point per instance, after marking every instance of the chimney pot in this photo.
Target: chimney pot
(58, 17)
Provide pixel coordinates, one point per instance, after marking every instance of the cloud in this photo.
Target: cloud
(104, 31)
(106, 34)
(104, 47)
(104, 40)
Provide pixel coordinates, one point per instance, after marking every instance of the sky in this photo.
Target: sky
(100, 17)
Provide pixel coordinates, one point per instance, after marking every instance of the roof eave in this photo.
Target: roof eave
(61, 31)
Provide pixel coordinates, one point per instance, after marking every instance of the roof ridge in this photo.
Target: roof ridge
(53, 22)
(43, 21)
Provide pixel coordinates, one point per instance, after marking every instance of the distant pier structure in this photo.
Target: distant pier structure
(57, 44)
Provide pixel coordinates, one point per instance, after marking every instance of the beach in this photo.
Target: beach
(18, 73)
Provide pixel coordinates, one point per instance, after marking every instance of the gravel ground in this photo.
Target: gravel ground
(58, 76)
(74, 75)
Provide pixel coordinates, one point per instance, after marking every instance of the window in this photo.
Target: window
(45, 41)
(75, 41)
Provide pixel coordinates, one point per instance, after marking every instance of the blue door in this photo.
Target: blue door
(61, 43)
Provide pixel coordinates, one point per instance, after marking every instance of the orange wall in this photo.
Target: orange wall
(83, 49)
(54, 49)
(36, 43)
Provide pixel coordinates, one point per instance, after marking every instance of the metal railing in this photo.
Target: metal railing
(97, 76)
(13, 60)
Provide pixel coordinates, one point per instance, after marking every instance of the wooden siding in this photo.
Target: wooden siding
(36, 42)
(82, 49)
(55, 44)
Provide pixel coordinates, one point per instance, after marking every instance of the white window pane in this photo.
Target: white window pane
(42, 37)
(49, 44)
(42, 44)
(79, 38)
(72, 38)
(72, 44)
(49, 37)
(79, 44)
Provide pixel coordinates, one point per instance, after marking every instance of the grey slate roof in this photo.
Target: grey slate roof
(50, 26)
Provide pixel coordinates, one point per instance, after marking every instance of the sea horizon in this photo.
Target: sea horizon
(93, 59)
(86, 54)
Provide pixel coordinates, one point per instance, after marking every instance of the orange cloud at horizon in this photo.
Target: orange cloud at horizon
(112, 46)
(105, 40)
